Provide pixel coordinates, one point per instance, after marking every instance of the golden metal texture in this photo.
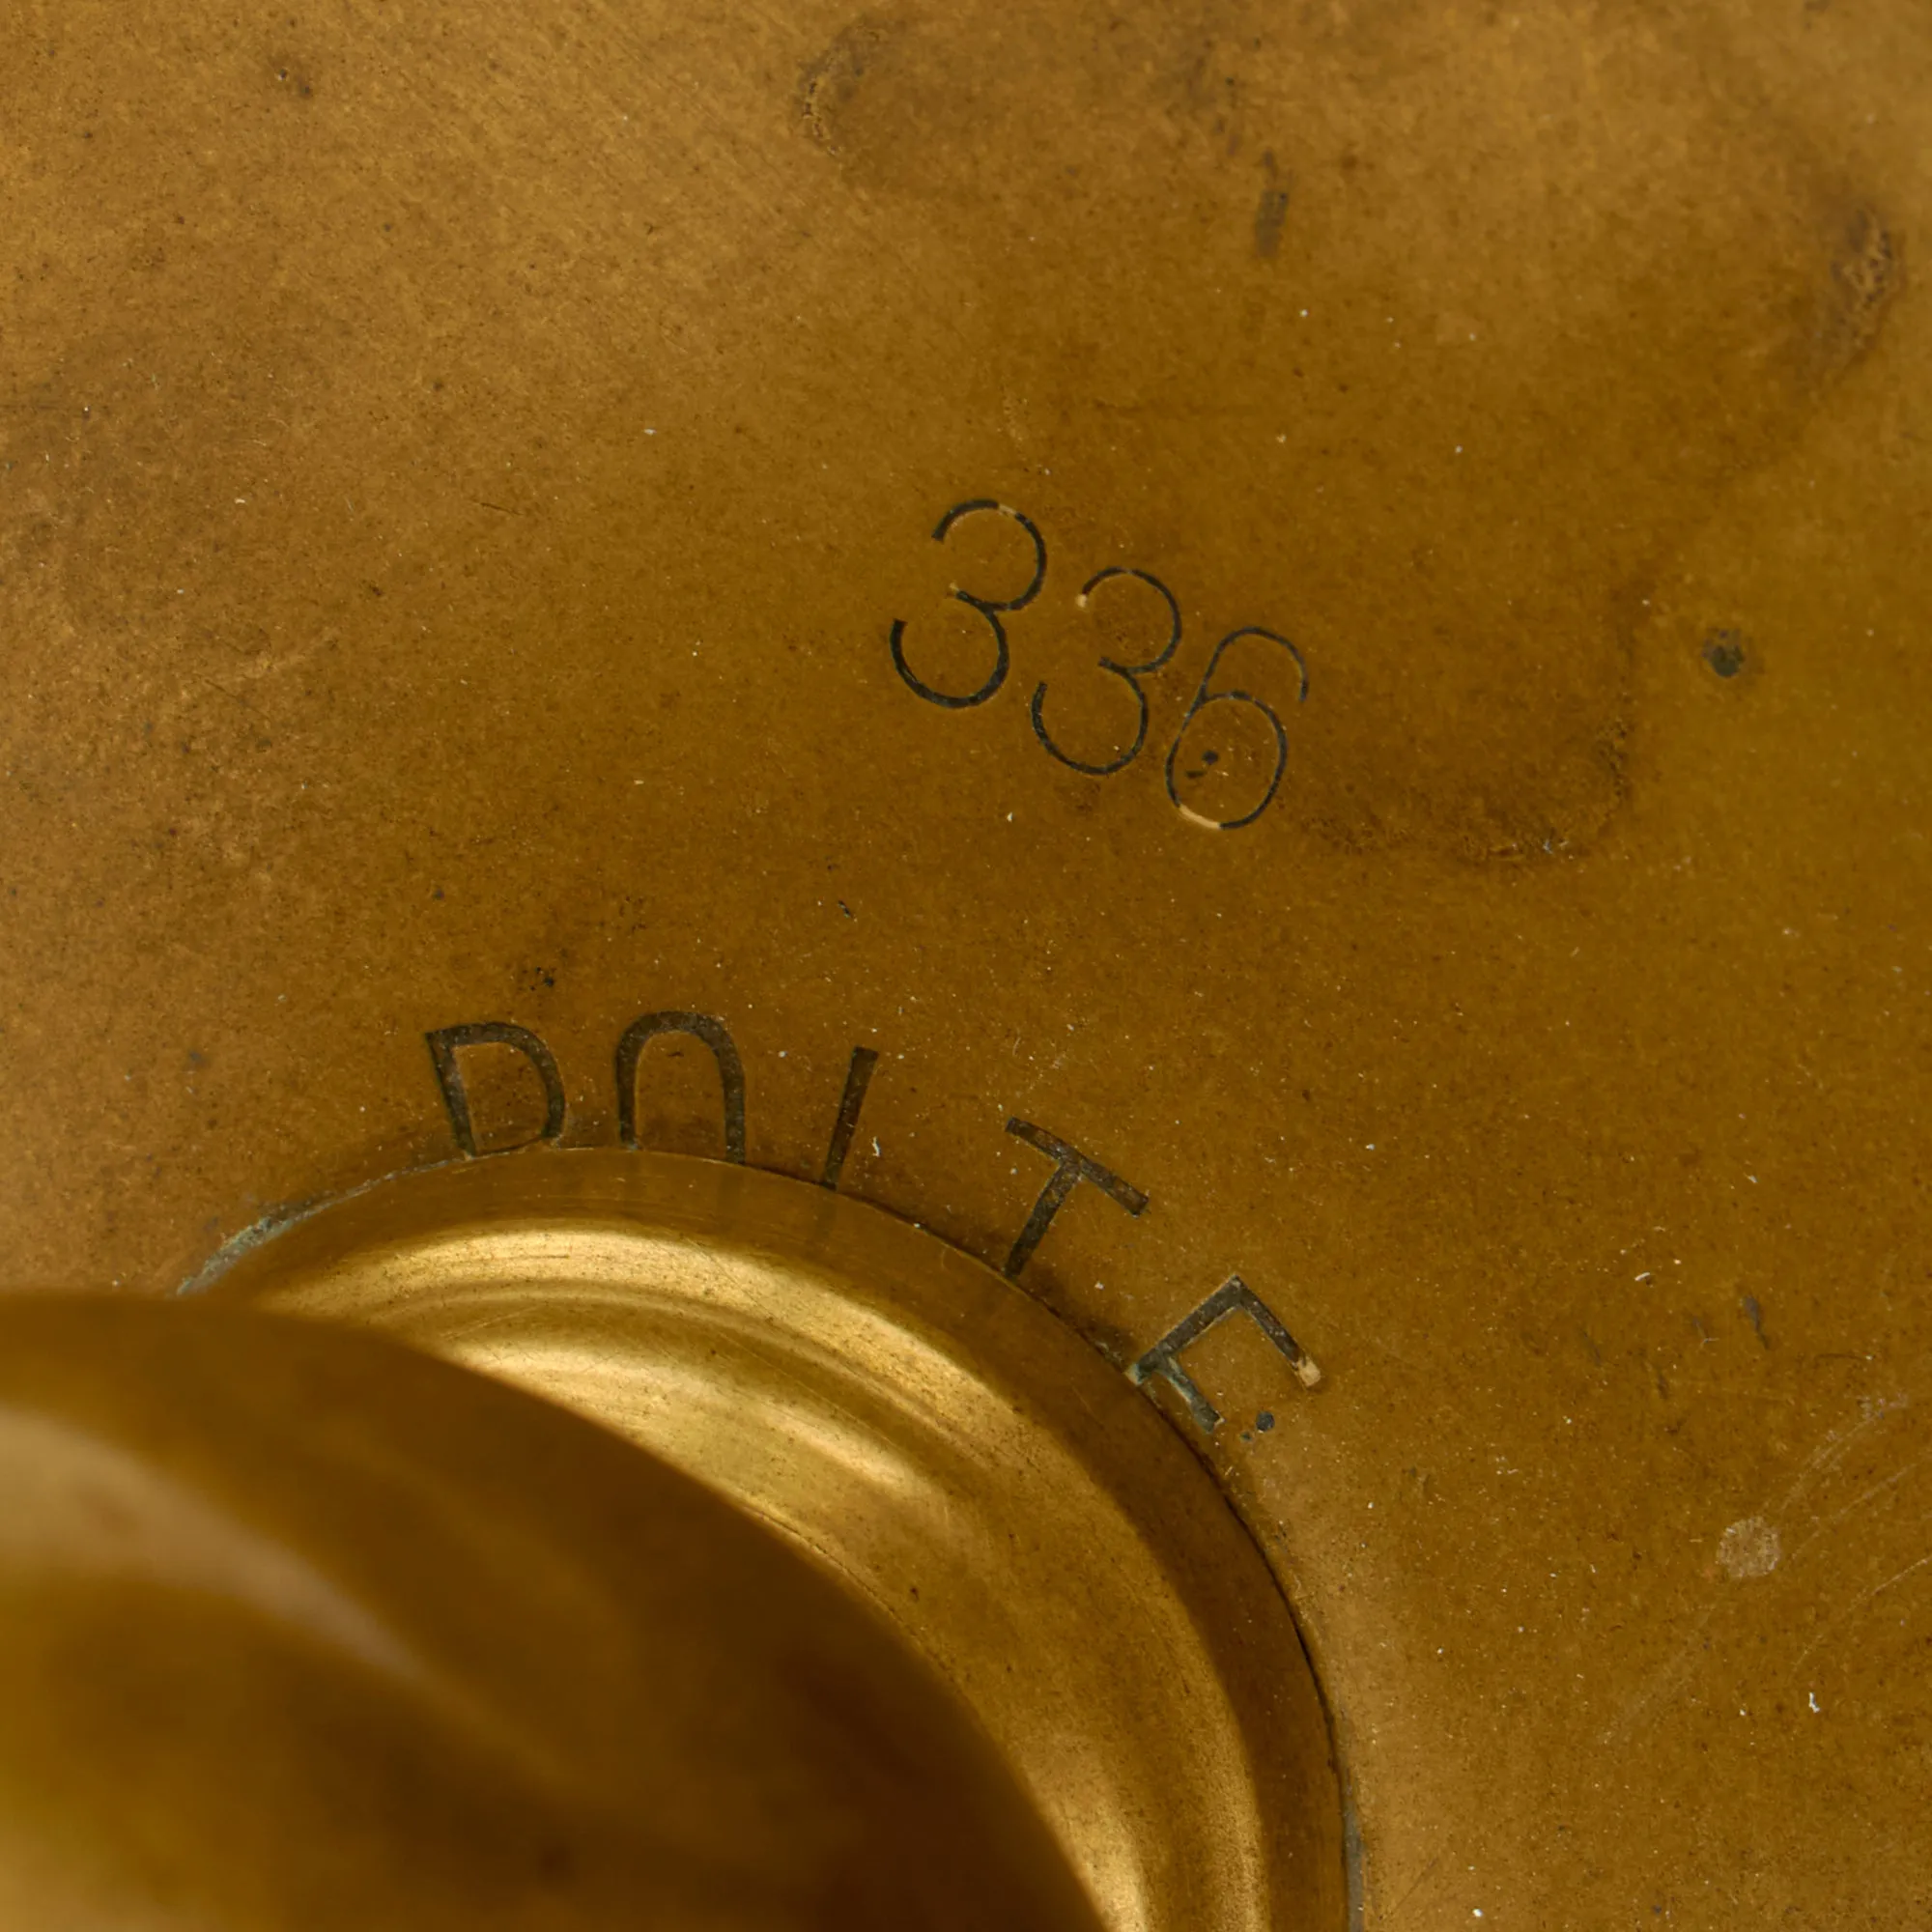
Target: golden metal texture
(300, 1630)
(1308, 618)
(935, 1438)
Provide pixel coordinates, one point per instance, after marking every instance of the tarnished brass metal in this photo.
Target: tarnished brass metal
(298, 1628)
(1318, 607)
(934, 1437)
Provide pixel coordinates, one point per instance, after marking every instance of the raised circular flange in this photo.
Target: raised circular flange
(933, 1436)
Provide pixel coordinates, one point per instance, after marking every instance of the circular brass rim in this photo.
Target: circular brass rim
(936, 1438)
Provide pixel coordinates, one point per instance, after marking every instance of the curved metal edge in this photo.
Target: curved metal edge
(1012, 1342)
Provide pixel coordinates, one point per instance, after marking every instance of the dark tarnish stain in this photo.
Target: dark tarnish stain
(1866, 279)
(828, 83)
(1724, 653)
(1754, 1315)
(1270, 211)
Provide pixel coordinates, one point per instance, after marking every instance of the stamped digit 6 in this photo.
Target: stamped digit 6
(1129, 674)
(989, 607)
(1205, 697)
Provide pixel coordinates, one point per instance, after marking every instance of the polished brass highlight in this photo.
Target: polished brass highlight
(949, 1451)
(301, 1631)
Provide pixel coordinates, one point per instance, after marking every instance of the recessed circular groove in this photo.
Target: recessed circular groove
(936, 1438)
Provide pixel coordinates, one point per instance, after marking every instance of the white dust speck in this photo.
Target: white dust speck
(1749, 1547)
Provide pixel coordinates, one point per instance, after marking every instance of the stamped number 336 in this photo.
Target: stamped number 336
(993, 612)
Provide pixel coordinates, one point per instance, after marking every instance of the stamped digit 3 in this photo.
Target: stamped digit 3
(989, 607)
(1130, 675)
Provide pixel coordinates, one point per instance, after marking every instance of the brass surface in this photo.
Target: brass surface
(939, 1441)
(463, 466)
(298, 1628)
